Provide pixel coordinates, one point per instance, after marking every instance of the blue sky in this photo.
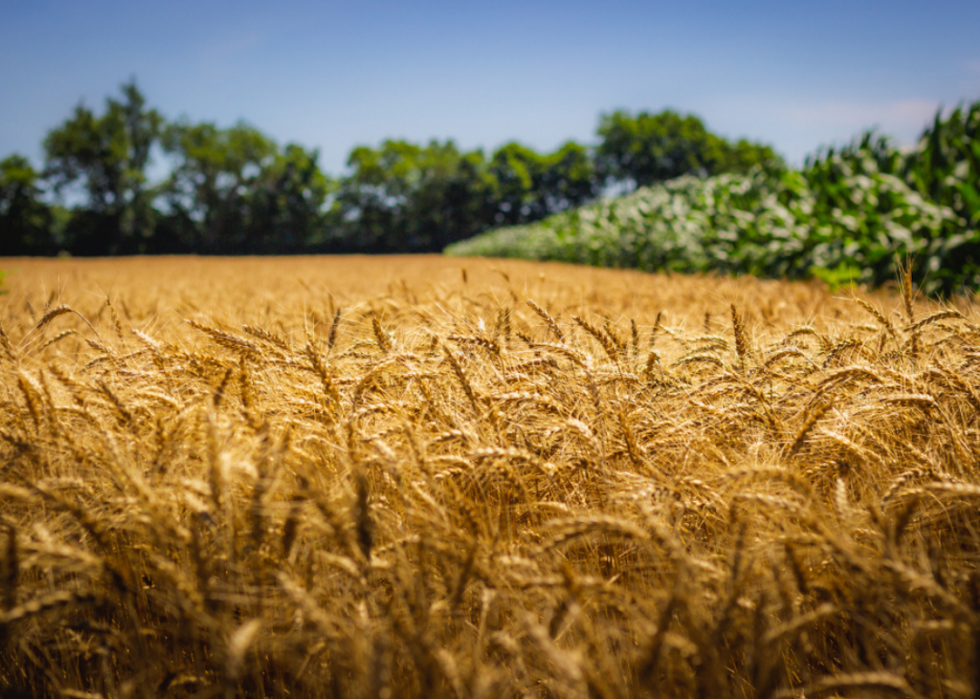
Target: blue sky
(332, 75)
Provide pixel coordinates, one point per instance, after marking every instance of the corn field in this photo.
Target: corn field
(849, 215)
(426, 477)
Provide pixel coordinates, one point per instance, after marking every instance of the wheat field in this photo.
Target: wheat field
(427, 477)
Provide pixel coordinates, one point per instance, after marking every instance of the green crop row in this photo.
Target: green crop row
(850, 215)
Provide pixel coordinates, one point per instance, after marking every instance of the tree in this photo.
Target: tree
(450, 198)
(518, 172)
(287, 203)
(210, 191)
(471, 199)
(531, 186)
(406, 197)
(25, 220)
(107, 156)
(649, 148)
(646, 148)
(568, 178)
(744, 155)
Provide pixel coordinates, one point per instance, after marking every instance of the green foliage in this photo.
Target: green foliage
(946, 165)
(704, 203)
(25, 221)
(649, 148)
(108, 155)
(531, 186)
(233, 189)
(287, 202)
(407, 197)
(845, 217)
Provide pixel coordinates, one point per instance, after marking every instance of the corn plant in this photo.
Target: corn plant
(849, 215)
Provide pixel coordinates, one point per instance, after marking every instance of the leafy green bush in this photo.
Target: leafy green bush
(851, 214)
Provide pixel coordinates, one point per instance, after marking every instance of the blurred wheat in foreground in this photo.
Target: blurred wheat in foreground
(400, 479)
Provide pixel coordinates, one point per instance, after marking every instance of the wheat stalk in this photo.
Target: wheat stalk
(456, 514)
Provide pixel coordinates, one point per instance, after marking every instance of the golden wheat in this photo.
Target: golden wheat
(446, 490)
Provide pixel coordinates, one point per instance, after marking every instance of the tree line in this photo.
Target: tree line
(236, 191)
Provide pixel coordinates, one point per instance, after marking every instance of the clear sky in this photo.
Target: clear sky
(332, 74)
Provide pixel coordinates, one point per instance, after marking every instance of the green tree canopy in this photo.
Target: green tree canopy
(25, 221)
(287, 202)
(108, 155)
(213, 181)
(516, 170)
(648, 148)
(235, 190)
(404, 196)
(568, 178)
